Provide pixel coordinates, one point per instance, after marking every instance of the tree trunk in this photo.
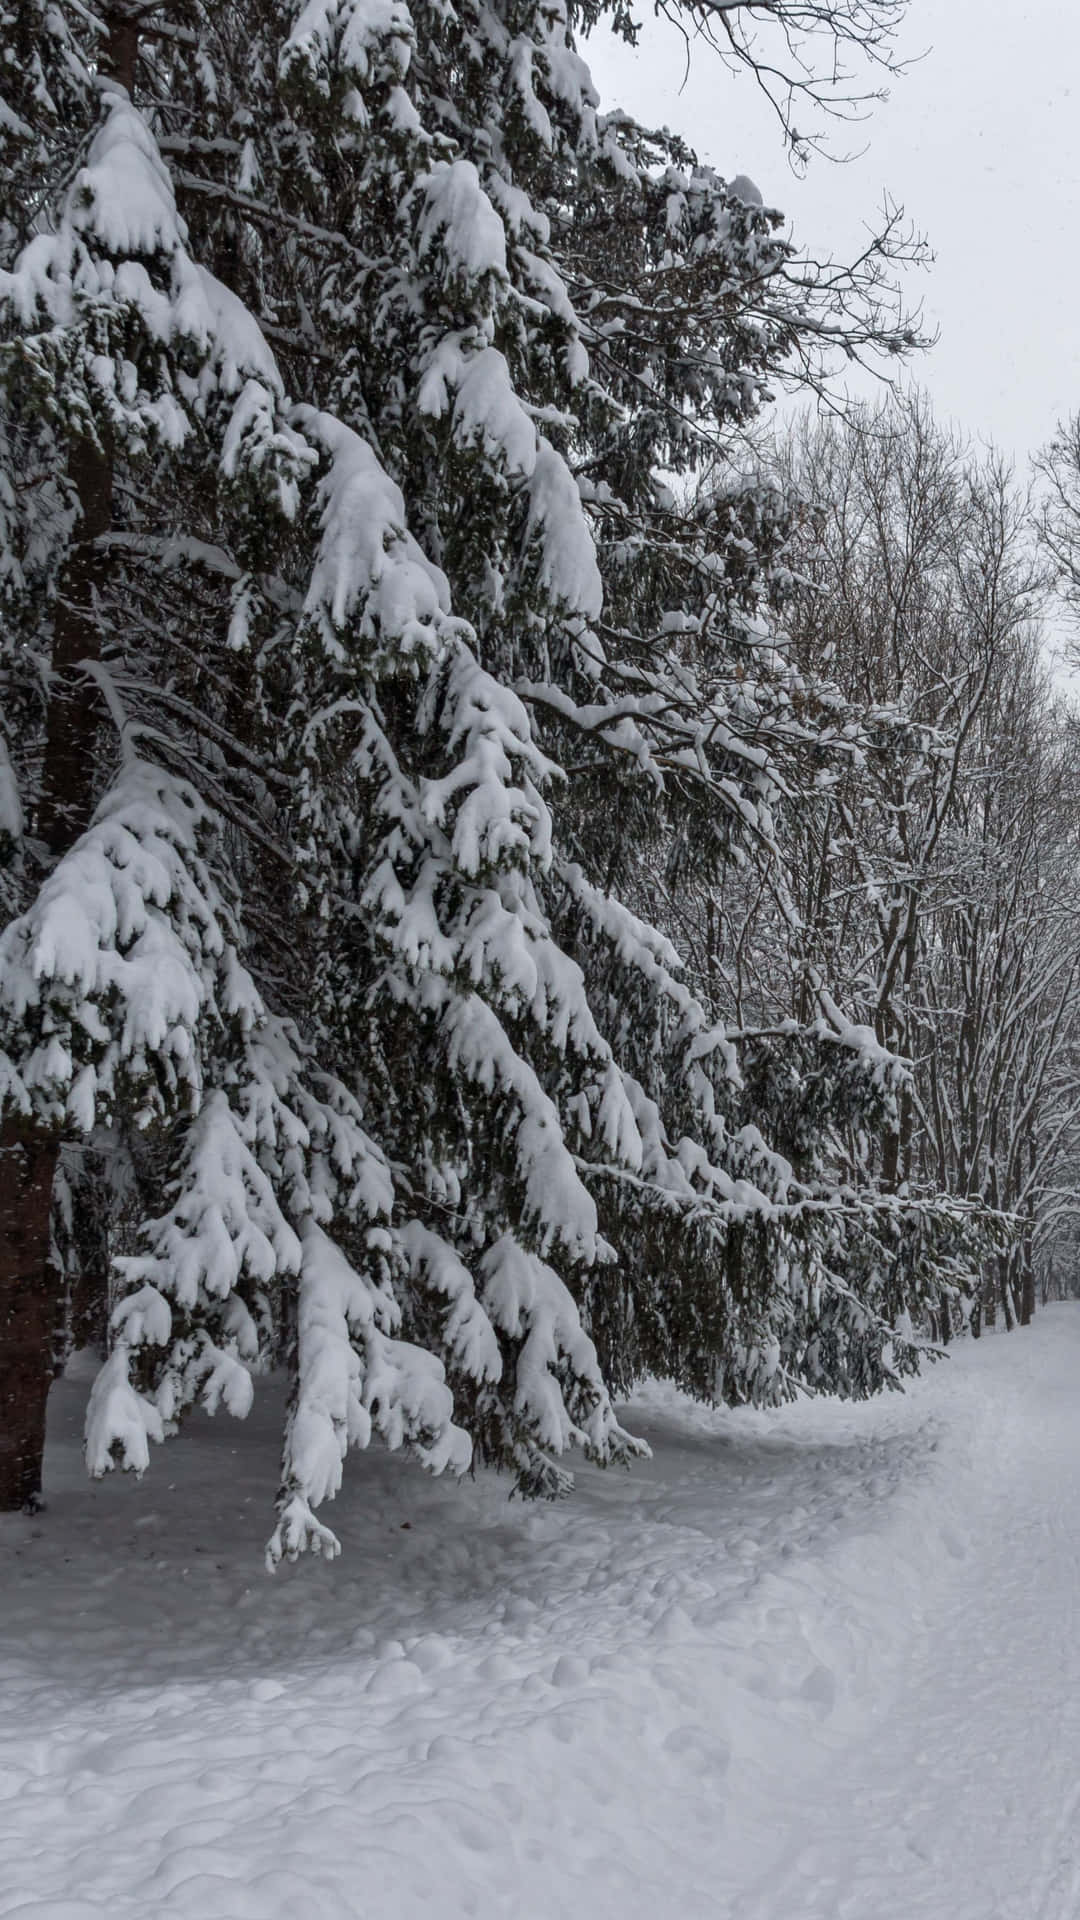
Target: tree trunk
(31, 1291)
(30, 1301)
(1027, 1284)
(31, 1287)
(1027, 1277)
(1006, 1295)
(67, 777)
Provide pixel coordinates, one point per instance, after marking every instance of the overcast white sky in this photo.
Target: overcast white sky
(980, 142)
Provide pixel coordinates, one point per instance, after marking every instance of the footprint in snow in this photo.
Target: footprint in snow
(819, 1691)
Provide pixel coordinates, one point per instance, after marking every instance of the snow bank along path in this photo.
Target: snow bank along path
(819, 1663)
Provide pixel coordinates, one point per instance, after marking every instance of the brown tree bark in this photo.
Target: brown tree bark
(29, 1302)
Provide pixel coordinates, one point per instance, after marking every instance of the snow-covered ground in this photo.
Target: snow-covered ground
(819, 1663)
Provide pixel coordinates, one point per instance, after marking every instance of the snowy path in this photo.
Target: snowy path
(823, 1663)
(965, 1800)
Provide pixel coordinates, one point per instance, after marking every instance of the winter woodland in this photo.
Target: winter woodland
(524, 864)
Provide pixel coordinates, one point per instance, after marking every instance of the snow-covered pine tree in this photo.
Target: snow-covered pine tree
(352, 643)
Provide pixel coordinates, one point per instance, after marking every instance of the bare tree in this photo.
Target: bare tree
(940, 883)
(826, 59)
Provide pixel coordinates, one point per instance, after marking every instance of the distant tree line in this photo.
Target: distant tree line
(937, 885)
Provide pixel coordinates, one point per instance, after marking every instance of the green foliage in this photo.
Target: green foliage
(415, 674)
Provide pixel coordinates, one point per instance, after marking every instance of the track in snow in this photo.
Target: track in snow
(963, 1801)
(819, 1663)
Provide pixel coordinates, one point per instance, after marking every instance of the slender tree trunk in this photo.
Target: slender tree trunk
(1027, 1285)
(1006, 1295)
(31, 1286)
(28, 1309)
(67, 778)
(1027, 1294)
